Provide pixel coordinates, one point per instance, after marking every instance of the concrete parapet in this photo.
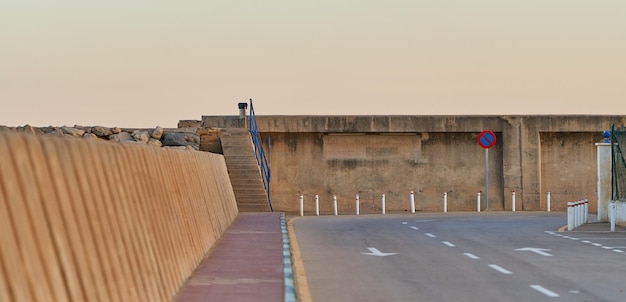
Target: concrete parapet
(88, 220)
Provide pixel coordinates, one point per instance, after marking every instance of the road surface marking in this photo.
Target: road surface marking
(544, 291)
(448, 243)
(618, 251)
(550, 232)
(596, 244)
(607, 247)
(536, 250)
(586, 241)
(472, 256)
(430, 235)
(375, 252)
(500, 269)
(415, 228)
(404, 222)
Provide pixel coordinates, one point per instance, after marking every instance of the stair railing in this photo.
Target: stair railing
(259, 153)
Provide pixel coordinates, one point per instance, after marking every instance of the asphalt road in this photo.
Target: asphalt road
(488, 256)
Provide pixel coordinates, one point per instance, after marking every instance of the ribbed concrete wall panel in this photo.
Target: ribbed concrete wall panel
(84, 220)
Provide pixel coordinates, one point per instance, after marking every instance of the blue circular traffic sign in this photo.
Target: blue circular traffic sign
(487, 139)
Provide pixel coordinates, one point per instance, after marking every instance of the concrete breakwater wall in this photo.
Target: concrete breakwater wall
(373, 155)
(87, 220)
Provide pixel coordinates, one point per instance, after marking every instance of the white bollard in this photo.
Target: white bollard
(317, 205)
(586, 211)
(383, 202)
(612, 209)
(513, 201)
(478, 202)
(412, 202)
(335, 203)
(577, 208)
(357, 204)
(301, 205)
(548, 202)
(570, 215)
(445, 202)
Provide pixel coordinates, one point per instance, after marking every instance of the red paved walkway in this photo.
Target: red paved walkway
(245, 265)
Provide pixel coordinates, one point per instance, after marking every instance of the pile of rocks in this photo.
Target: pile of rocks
(158, 136)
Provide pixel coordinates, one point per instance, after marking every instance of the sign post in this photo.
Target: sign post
(487, 139)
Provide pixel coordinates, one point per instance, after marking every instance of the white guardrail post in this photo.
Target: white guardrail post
(445, 202)
(301, 205)
(548, 202)
(478, 202)
(412, 198)
(335, 204)
(357, 204)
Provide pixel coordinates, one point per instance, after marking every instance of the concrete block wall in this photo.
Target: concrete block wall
(86, 220)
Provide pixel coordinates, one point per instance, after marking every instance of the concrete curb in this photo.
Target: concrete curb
(290, 293)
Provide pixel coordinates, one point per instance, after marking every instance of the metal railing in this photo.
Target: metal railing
(618, 140)
(259, 152)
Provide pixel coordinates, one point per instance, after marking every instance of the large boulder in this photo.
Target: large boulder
(101, 131)
(73, 131)
(141, 136)
(157, 133)
(121, 137)
(181, 139)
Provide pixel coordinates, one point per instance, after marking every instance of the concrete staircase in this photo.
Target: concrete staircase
(243, 170)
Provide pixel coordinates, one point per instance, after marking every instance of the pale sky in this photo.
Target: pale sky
(131, 63)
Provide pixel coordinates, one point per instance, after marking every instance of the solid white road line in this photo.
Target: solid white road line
(472, 256)
(500, 269)
(544, 291)
(448, 243)
(430, 235)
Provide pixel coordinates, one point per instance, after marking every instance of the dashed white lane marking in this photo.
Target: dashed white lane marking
(404, 222)
(430, 235)
(596, 244)
(607, 247)
(472, 256)
(618, 251)
(550, 232)
(544, 291)
(415, 228)
(500, 269)
(586, 241)
(448, 243)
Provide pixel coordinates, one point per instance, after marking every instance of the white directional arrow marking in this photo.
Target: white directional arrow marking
(536, 250)
(375, 252)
